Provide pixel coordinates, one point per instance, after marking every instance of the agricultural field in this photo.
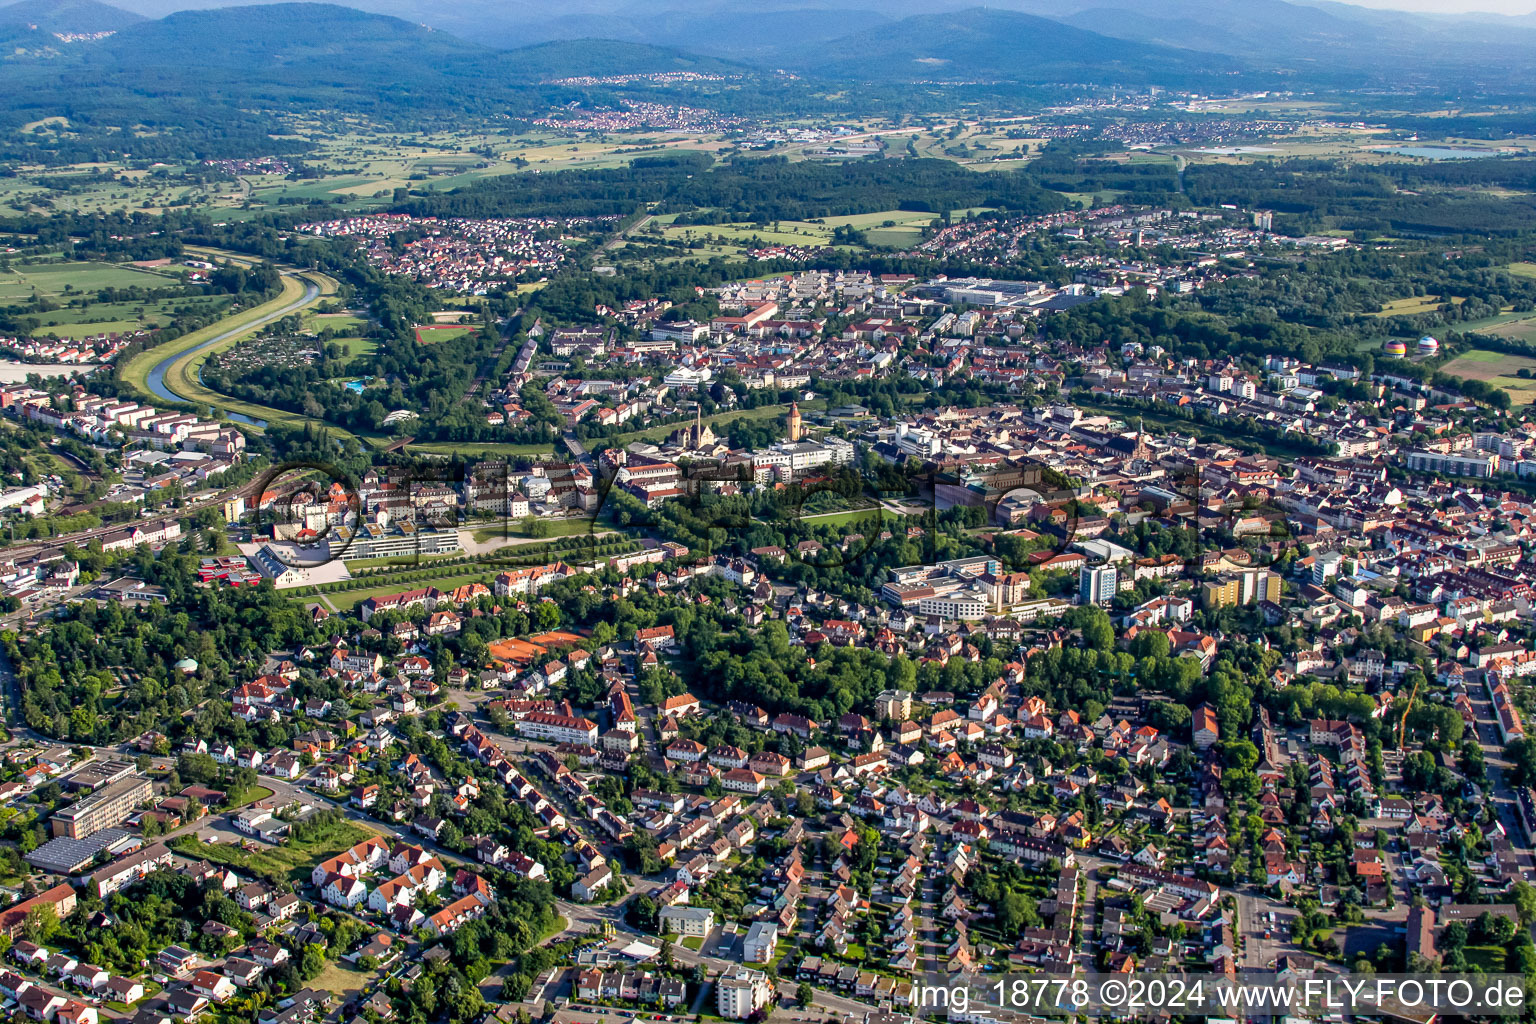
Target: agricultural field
(355, 166)
(102, 188)
(358, 167)
(1499, 369)
(73, 286)
(1520, 328)
(1412, 305)
(58, 280)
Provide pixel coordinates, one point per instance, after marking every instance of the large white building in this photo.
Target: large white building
(740, 991)
(969, 605)
(31, 500)
(762, 939)
(540, 725)
(799, 456)
(687, 378)
(1484, 465)
(687, 921)
(271, 565)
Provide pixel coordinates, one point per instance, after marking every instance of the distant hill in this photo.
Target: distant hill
(262, 38)
(1335, 43)
(734, 31)
(1290, 43)
(295, 43)
(990, 44)
(302, 57)
(571, 58)
(67, 16)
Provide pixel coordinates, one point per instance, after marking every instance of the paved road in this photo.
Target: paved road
(621, 235)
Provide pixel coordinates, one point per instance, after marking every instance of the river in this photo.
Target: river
(156, 379)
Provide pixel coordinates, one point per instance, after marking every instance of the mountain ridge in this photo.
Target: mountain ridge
(68, 16)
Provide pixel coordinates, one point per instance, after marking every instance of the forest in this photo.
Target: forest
(746, 188)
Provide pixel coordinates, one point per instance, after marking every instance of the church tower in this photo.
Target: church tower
(795, 431)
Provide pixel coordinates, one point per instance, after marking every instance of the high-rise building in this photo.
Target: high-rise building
(1242, 588)
(108, 806)
(895, 705)
(740, 991)
(1326, 566)
(1097, 584)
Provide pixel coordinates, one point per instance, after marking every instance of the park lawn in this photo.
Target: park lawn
(293, 861)
(335, 321)
(349, 599)
(357, 346)
(845, 518)
(552, 528)
(431, 334)
(903, 218)
(252, 795)
(1490, 958)
(762, 412)
(341, 979)
(789, 233)
(693, 942)
(402, 561)
(533, 451)
(884, 227)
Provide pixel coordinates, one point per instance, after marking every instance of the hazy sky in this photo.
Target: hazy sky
(1453, 6)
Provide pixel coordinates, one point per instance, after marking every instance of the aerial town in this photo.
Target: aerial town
(810, 515)
(1335, 734)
